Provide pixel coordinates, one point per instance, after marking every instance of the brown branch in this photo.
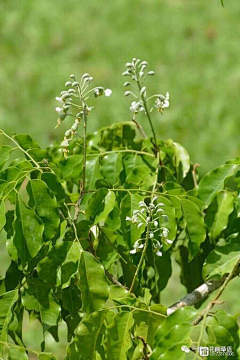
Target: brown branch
(114, 280)
(140, 128)
(201, 292)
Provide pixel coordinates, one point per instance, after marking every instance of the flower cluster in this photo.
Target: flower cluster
(150, 217)
(136, 71)
(79, 109)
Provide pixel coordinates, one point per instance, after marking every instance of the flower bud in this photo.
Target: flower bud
(127, 93)
(71, 91)
(65, 143)
(72, 76)
(68, 83)
(85, 75)
(151, 73)
(68, 133)
(74, 126)
(143, 90)
(75, 83)
(127, 83)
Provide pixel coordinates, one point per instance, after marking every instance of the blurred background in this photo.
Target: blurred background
(192, 45)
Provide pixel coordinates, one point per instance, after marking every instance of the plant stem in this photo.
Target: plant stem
(141, 259)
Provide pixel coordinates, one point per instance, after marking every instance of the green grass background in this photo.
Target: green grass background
(193, 46)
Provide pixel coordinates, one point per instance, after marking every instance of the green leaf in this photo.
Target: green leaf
(46, 356)
(17, 353)
(138, 174)
(225, 207)
(45, 205)
(119, 337)
(54, 185)
(93, 172)
(87, 333)
(130, 231)
(195, 227)
(174, 330)
(7, 302)
(213, 182)
(5, 152)
(28, 231)
(38, 296)
(26, 142)
(111, 167)
(71, 264)
(93, 283)
(226, 320)
(2, 215)
(181, 156)
(48, 267)
(222, 259)
(72, 166)
(100, 205)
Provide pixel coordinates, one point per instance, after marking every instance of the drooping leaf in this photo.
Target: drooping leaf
(100, 205)
(130, 231)
(222, 259)
(111, 167)
(118, 337)
(87, 333)
(93, 283)
(7, 301)
(70, 265)
(195, 227)
(54, 185)
(181, 157)
(48, 267)
(39, 296)
(213, 182)
(225, 207)
(28, 231)
(5, 152)
(45, 205)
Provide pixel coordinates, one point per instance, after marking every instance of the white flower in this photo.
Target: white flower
(155, 224)
(133, 251)
(59, 110)
(141, 246)
(140, 225)
(169, 241)
(159, 253)
(162, 102)
(165, 232)
(59, 100)
(136, 107)
(128, 218)
(108, 92)
(151, 235)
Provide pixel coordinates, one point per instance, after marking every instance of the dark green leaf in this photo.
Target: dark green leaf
(111, 167)
(118, 337)
(195, 227)
(87, 333)
(100, 205)
(45, 205)
(54, 185)
(72, 166)
(2, 215)
(93, 283)
(28, 231)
